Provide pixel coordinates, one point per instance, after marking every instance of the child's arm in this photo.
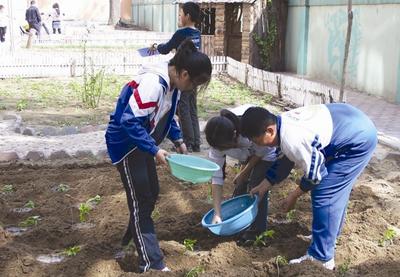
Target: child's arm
(244, 174)
(173, 43)
(217, 182)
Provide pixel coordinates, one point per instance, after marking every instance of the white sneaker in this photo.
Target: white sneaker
(328, 264)
(166, 269)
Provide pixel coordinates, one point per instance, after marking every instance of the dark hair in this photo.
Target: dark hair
(193, 10)
(57, 8)
(222, 130)
(33, 2)
(255, 121)
(196, 63)
(1, 7)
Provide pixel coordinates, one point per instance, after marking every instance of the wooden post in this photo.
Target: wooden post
(346, 49)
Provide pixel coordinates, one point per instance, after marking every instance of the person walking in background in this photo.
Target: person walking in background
(189, 14)
(32, 16)
(3, 24)
(56, 18)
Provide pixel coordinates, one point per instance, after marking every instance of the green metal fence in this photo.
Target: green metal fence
(155, 15)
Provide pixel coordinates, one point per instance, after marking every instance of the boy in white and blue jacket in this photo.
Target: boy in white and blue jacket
(143, 117)
(332, 144)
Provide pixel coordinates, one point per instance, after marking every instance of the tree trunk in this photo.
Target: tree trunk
(342, 97)
(115, 12)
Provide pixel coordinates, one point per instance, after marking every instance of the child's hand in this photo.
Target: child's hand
(216, 219)
(182, 149)
(261, 189)
(161, 155)
(290, 201)
(152, 49)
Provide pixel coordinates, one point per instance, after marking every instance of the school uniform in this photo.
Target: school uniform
(143, 117)
(332, 143)
(3, 25)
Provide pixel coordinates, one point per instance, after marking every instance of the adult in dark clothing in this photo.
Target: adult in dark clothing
(32, 16)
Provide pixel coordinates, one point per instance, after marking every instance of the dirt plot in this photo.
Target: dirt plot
(373, 209)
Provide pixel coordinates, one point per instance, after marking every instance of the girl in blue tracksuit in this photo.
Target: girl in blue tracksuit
(144, 115)
(223, 135)
(332, 143)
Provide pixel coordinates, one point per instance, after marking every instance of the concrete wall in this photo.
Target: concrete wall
(316, 37)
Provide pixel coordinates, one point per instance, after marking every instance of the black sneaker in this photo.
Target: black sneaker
(189, 148)
(196, 148)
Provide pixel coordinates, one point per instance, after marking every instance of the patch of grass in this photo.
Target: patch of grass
(195, 271)
(8, 189)
(21, 105)
(30, 221)
(62, 188)
(387, 238)
(94, 200)
(72, 251)
(291, 215)
(189, 244)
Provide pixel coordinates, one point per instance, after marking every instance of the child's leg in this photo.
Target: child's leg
(195, 120)
(137, 174)
(2, 34)
(59, 30)
(185, 120)
(331, 196)
(54, 31)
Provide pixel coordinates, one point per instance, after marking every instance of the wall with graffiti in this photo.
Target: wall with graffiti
(316, 38)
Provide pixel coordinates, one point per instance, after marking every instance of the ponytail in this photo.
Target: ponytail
(196, 63)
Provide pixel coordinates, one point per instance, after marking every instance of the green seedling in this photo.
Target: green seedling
(260, 239)
(388, 237)
(62, 188)
(30, 204)
(84, 210)
(72, 251)
(291, 215)
(189, 244)
(343, 268)
(22, 105)
(95, 200)
(280, 261)
(8, 188)
(30, 221)
(155, 215)
(195, 271)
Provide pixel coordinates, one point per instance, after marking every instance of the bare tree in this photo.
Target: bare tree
(115, 12)
(346, 48)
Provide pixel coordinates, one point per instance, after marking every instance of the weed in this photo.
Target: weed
(62, 188)
(72, 251)
(155, 215)
(195, 271)
(260, 239)
(84, 210)
(344, 267)
(8, 189)
(22, 104)
(280, 261)
(291, 215)
(387, 238)
(189, 244)
(30, 221)
(29, 204)
(95, 200)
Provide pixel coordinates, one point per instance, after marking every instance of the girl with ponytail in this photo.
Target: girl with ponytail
(143, 117)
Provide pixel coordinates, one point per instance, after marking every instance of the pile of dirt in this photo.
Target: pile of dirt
(58, 190)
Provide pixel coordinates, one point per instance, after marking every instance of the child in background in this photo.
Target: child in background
(144, 115)
(332, 143)
(189, 14)
(56, 18)
(3, 24)
(224, 137)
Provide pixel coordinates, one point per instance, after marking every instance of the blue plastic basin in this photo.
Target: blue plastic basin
(191, 168)
(237, 214)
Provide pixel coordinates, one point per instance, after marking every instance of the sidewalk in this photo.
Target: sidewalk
(385, 115)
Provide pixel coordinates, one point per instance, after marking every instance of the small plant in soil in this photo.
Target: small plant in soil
(8, 188)
(189, 244)
(343, 268)
(260, 239)
(387, 238)
(84, 210)
(280, 261)
(195, 271)
(29, 204)
(30, 221)
(291, 215)
(62, 188)
(22, 105)
(155, 215)
(72, 251)
(94, 200)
